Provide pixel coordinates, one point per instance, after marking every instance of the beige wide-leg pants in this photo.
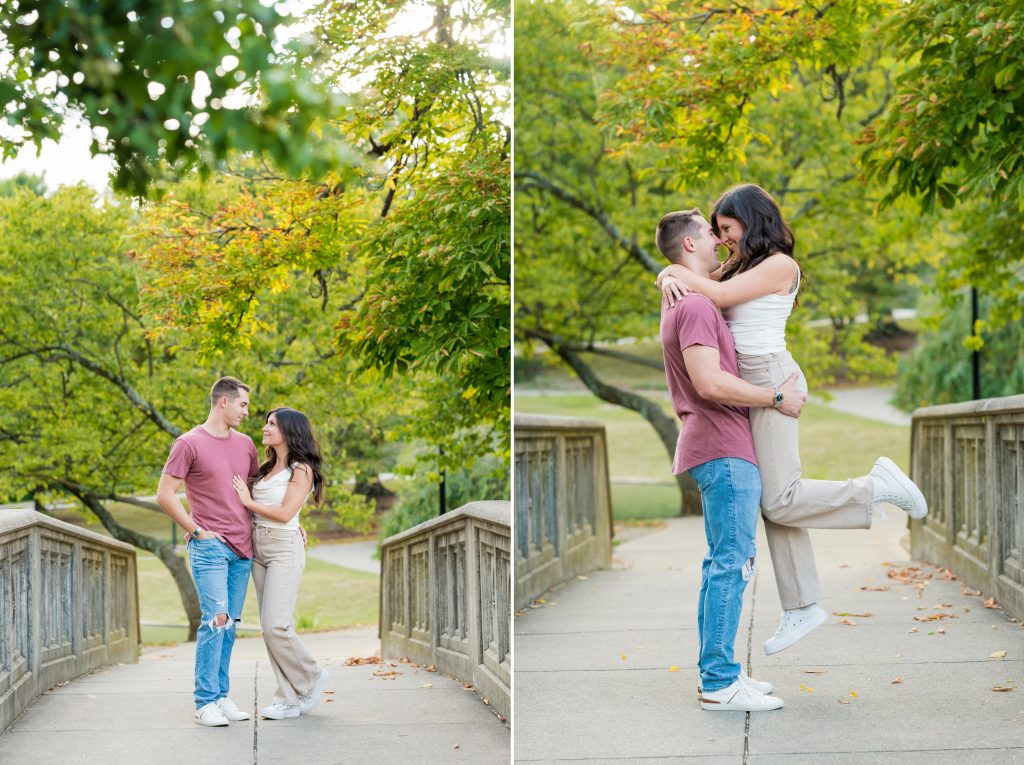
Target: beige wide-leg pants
(279, 558)
(791, 504)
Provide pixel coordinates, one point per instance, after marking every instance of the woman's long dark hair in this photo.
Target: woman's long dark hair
(764, 230)
(302, 447)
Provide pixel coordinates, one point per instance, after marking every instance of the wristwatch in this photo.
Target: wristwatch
(778, 399)
(196, 532)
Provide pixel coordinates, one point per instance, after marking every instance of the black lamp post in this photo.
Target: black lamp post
(975, 354)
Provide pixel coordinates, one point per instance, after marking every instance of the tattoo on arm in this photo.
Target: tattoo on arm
(796, 281)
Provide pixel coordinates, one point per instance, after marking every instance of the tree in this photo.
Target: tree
(626, 114)
(411, 255)
(954, 134)
(167, 82)
(91, 400)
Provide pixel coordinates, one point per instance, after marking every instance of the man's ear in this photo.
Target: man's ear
(688, 243)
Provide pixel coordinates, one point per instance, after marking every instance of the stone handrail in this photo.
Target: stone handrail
(562, 502)
(68, 604)
(446, 597)
(968, 460)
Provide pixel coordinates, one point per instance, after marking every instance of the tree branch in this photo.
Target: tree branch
(638, 253)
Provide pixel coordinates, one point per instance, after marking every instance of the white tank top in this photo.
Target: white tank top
(271, 491)
(759, 325)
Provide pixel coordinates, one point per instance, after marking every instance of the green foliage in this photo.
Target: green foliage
(419, 498)
(939, 371)
(954, 128)
(181, 83)
(409, 258)
(625, 115)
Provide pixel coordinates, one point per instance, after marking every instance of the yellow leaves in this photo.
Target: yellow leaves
(806, 688)
(673, 668)
(848, 622)
(935, 617)
(863, 614)
(622, 656)
(470, 392)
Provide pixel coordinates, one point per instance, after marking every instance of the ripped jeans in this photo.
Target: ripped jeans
(222, 578)
(730, 492)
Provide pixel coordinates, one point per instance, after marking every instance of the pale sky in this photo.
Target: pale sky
(68, 162)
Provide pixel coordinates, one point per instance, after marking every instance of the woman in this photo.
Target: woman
(286, 479)
(756, 287)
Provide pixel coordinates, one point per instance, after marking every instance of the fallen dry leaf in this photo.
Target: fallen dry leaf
(806, 688)
(328, 701)
(908, 575)
(947, 574)
(427, 685)
(942, 605)
(991, 603)
(847, 613)
(1002, 688)
(843, 701)
(875, 588)
(935, 617)
(622, 656)
(853, 694)
(912, 630)
(353, 661)
(848, 622)
(941, 630)
(896, 681)
(997, 655)
(673, 668)
(815, 671)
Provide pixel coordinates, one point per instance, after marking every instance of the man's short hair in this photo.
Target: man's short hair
(673, 228)
(226, 386)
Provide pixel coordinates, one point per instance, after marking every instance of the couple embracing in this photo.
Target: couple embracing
(739, 393)
(244, 517)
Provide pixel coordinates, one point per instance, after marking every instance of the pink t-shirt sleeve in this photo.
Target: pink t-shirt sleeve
(180, 460)
(697, 324)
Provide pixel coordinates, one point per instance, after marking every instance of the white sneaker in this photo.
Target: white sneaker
(758, 685)
(739, 697)
(230, 711)
(279, 711)
(210, 716)
(311, 699)
(893, 486)
(795, 624)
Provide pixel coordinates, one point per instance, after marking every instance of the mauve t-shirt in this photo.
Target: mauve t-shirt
(710, 430)
(207, 463)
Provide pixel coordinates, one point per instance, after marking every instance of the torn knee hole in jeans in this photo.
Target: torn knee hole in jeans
(222, 622)
(749, 568)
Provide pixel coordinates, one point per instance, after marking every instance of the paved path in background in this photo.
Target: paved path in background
(593, 681)
(143, 713)
(354, 555)
(872, 403)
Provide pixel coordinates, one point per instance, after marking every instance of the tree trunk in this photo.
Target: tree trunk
(164, 551)
(665, 426)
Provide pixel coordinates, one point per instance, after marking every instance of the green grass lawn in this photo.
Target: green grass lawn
(833, 446)
(329, 597)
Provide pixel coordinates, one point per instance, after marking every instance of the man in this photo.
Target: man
(219, 531)
(716, 447)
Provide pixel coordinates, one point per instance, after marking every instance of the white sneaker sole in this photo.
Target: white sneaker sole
(712, 706)
(920, 505)
(279, 716)
(212, 723)
(815, 620)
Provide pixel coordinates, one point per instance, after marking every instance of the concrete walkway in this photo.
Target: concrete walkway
(870, 402)
(379, 714)
(354, 555)
(606, 666)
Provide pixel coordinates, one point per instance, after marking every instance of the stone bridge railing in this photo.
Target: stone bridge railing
(562, 502)
(968, 460)
(446, 597)
(68, 603)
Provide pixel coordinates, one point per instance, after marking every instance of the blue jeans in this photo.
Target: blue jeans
(730, 492)
(222, 578)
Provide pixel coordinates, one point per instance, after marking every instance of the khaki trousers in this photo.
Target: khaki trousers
(279, 559)
(791, 504)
